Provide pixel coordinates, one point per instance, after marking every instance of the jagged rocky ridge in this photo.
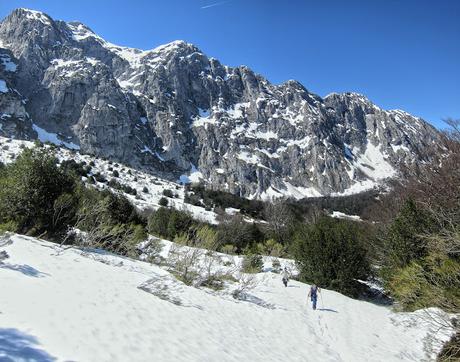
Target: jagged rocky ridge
(174, 111)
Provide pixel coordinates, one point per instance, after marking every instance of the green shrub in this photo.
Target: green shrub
(9, 226)
(206, 237)
(122, 187)
(169, 223)
(331, 254)
(168, 193)
(153, 250)
(72, 167)
(110, 222)
(228, 249)
(139, 233)
(237, 232)
(136, 233)
(163, 202)
(212, 198)
(228, 277)
(417, 269)
(182, 239)
(119, 209)
(404, 241)
(99, 177)
(270, 247)
(29, 188)
(179, 222)
(252, 263)
(158, 222)
(430, 281)
(193, 199)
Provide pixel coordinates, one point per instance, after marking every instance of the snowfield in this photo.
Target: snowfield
(69, 305)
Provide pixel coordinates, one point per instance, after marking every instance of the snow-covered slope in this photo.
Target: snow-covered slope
(136, 179)
(74, 306)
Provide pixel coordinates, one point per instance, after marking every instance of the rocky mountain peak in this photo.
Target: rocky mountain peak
(26, 25)
(176, 112)
(23, 14)
(178, 46)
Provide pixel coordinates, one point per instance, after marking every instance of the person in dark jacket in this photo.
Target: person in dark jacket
(313, 294)
(286, 276)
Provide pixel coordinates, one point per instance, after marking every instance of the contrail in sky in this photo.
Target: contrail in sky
(215, 4)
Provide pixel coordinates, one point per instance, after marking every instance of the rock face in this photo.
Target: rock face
(176, 112)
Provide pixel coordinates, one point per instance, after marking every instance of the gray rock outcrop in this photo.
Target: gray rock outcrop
(174, 111)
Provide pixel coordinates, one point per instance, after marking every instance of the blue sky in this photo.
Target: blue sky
(400, 53)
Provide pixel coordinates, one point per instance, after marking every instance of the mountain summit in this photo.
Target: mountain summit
(175, 111)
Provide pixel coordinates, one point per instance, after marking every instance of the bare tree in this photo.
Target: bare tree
(279, 218)
(210, 261)
(246, 283)
(210, 271)
(313, 214)
(184, 263)
(453, 130)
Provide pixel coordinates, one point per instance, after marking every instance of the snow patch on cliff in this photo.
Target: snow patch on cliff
(45, 136)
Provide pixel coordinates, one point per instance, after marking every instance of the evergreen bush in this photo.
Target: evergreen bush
(331, 254)
(29, 188)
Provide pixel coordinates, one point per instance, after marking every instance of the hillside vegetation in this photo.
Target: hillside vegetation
(412, 248)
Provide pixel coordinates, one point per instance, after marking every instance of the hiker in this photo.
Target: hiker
(285, 275)
(313, 294)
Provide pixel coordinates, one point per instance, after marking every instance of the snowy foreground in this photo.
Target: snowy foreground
(67, 305)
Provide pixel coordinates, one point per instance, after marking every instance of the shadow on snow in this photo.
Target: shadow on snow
(24, 269)
(327, 310)
(16, 345)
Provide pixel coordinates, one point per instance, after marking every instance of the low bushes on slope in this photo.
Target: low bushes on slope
(421, 245)
(169, 223)
(38, 196)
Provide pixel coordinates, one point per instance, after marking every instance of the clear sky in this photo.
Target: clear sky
(400, 53)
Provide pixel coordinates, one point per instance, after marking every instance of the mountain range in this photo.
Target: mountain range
(184, 116)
